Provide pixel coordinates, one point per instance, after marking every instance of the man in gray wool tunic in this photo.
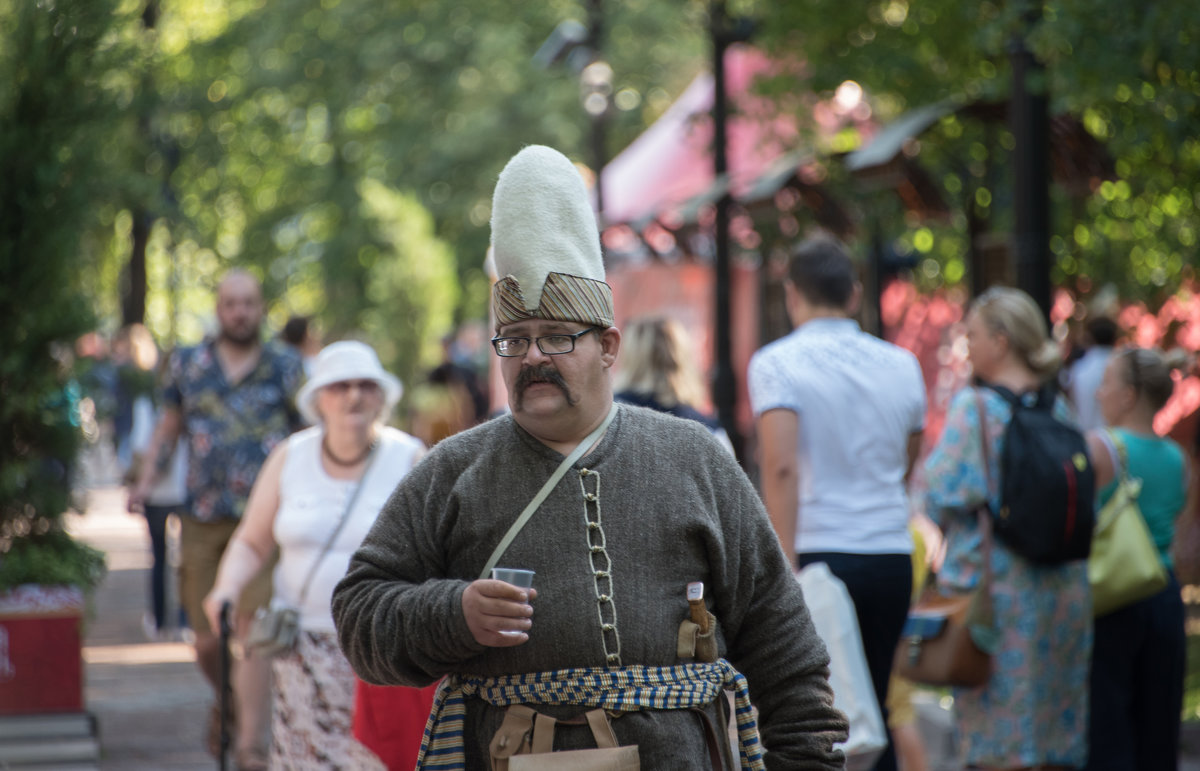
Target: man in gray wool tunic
(646, 506)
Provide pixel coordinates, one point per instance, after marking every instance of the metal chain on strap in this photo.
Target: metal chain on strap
(606, 605)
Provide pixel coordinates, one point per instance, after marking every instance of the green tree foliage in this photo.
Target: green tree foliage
(1129, 72)
(278, 117)
(57, 106)
(396, 282)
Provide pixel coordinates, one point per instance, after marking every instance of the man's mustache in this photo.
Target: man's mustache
(541, 374)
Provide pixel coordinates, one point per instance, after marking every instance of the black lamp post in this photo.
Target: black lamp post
(581, 47)
(596, 80)
(1030, 123)
(725, 32)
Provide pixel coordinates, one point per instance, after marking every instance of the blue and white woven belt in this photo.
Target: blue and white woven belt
(627, 689)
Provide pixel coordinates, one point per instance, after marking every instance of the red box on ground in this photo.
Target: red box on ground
(41, 665)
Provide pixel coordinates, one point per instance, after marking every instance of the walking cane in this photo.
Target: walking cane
(226, 697)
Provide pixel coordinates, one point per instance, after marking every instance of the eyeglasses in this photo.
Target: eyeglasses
(341, 387)
(551, 345)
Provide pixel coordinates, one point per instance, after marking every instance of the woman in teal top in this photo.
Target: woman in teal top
(1139, 653)
(1160, 464)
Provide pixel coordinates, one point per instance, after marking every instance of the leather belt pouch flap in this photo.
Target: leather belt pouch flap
(606, 757)
(513, 736)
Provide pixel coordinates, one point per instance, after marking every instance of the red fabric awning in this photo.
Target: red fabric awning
(671, 162)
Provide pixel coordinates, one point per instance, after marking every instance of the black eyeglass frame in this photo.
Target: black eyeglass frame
(498, 341)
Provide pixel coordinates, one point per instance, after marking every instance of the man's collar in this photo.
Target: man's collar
(829, 324)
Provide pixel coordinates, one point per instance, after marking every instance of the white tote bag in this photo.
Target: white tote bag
(833, 615)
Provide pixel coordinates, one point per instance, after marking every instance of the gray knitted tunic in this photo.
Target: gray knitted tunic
(673, 507)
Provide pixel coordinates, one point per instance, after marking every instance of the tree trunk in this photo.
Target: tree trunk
(133, 304)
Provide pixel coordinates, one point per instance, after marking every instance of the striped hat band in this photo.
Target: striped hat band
(564, 298)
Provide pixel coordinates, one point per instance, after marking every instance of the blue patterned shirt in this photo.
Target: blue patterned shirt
(230, 428)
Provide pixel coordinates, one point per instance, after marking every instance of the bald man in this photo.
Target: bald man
(232, 398)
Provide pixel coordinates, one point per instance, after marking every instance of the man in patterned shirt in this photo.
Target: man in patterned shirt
(233, 398)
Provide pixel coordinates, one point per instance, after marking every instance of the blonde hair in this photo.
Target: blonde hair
(656, 360)
(1015, 315)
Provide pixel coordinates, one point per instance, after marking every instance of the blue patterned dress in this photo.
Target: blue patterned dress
(1035, 708)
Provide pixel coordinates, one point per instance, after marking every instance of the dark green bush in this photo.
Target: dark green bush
(58, 120)
(51, 559)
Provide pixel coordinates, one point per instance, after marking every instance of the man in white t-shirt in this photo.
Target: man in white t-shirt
(840, 414)
(1083, 377)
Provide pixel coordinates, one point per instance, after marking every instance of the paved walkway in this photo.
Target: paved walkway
(149, 699)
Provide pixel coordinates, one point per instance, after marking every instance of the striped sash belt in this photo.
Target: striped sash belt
(625, 689)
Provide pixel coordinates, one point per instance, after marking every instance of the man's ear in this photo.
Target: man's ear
(610, 343)
(855, 301)
(795, 303)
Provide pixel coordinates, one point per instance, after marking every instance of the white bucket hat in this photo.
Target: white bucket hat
(347, 360)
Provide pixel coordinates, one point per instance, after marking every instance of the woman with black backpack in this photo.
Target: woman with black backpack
(1032, 712)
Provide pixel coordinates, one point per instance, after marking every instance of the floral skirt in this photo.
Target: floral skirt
(1034, 710)
(313, 694)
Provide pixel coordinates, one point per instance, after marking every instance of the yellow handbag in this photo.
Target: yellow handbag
(1124, 565)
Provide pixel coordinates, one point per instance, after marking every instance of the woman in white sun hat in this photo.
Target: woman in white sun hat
(315, 498)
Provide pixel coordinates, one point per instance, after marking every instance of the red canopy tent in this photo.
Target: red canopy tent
(671, 162)
(665, 179)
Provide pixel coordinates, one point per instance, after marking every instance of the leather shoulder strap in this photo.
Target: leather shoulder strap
(601, 729)
(543, 734)
(1004, 393)
(984, 513)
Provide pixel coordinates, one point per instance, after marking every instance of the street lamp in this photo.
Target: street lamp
(1030, 121)
(596, 85)
(725, 32)
(580, 46)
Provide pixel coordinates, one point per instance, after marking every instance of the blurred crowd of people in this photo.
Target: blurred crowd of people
(235, 447)
(263, 462)
(839, 429)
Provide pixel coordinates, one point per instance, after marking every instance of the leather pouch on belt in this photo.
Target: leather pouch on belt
(514, 736)
(694, 644)
(512, 749)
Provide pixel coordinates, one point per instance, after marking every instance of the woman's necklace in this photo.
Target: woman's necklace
(343, 462)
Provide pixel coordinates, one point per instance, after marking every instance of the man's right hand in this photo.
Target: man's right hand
(136, 502)
(497, 613)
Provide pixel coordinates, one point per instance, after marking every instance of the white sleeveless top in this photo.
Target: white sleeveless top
(310, 505)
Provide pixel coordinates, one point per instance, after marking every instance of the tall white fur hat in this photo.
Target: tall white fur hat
(546, 244)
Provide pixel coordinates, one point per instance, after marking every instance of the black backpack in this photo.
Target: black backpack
(1047, 484)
